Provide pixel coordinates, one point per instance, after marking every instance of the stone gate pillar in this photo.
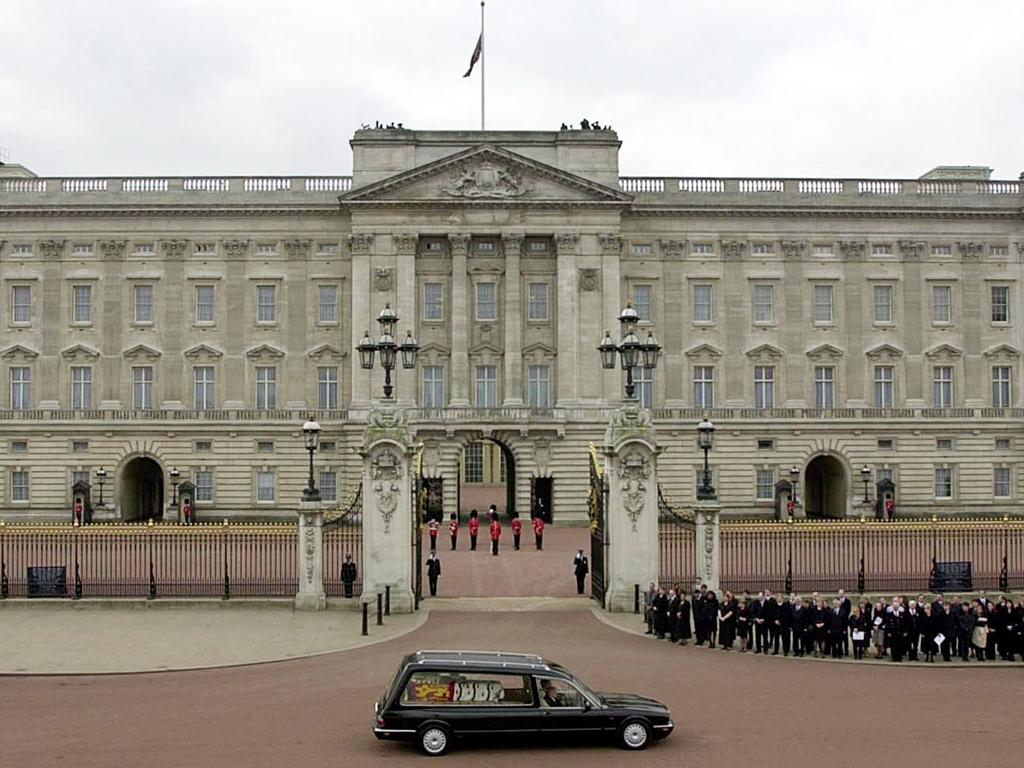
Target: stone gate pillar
(708, 547)
(631, 453)
(387, 508)
(311, 596)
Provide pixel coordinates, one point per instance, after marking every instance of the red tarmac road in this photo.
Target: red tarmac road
(729, 709)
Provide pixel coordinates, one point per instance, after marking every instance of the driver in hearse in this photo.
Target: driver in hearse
(552, 697)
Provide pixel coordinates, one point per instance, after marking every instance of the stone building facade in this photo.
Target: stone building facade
(826, 326)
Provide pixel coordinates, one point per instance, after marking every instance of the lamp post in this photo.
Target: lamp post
(311, 431)
(175, 475)
(865, 475)
(705, 439)
(794, 479)
(632, 352)
(101, 478)
(388, 348)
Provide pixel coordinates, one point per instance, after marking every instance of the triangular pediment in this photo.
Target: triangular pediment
(765, 350)
(484, 349)
(325, 350)
(884, 350)
(141, 350)
(540, 348)
(943, 350)
(17, 350)
(435, 348)
(203, 349)
(261, 350)
(1002, 350)
(76, 350)
(489, 175)
(825, 350)
(704, 350)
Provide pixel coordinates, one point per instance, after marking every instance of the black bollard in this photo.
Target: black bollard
(380, 610)
(636, 598)
(366, 608)
(387, 599)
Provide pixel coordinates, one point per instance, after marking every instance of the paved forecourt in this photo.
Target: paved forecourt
(729, 709)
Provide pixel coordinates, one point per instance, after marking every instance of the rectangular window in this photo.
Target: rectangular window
(999, 250)
(764, 303)
(266, 387)
(884, 381)
(327, 388)
(883, 303)
(944, 444)
(761, 249)
(80, 476)
(765, 445)
(433, 301)
(943, 483)
(885, 444)
(881, 249)
(204, 446)
(941, 303)
(1003, 444)
(942, 250)
(143, 303)
(81, 387)
(764, 386)
(823, 251)
(433, 386)
(702, 307)
(143, 249)
(1000, 304)
(765, 484)
(643, 302)
(266, 249)
(538, 309)
(824, 386)
(643, 381)
(326, 249)
(265, 446)
(486, 386)
(202, 378)
(704, 386)
(703, 249)
(205, 249)
(539, 394)
(942, 386)
(22, 249)
(329, 485)
(486, 301)
(19, 446)
(641, 249)
(823, 303)
(473, 463)
(327, 446)
(1001, 482)
(883, 473)
(1002, 392)
(266, 486)
(19, 485)
(328, 303)
(142, 388)
(82, 301)
(21, 304)
(81, 251)
(21, 388)
(485, 246)
(204, 304)
(204, 485)
(471, 689)
(266, 303)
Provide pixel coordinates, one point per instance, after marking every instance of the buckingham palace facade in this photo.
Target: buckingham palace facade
(840, 333)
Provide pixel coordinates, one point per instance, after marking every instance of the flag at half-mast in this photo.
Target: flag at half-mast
(476, 55)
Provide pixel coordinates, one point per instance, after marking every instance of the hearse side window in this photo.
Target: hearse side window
(467, 688)
(559, 693)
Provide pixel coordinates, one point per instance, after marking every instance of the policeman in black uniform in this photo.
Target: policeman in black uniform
(581, 567)
(348, 575)
(433, 571)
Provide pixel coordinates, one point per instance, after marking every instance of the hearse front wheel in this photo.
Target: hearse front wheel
(434, 739)
(634, 734)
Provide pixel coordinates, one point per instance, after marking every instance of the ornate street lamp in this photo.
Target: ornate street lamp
(865, 475)
(705, 440)
(794, 478)
(632, 352)
(175, 479)
(101, 478)
(311, 431)
(388, 348)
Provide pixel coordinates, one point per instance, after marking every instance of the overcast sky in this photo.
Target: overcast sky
(694, 87)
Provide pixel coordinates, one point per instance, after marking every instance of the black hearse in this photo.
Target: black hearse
(438, 696)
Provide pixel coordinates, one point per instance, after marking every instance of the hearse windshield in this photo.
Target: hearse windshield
(579, 683)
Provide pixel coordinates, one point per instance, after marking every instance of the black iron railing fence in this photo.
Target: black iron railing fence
(343, 535)
(676, 541)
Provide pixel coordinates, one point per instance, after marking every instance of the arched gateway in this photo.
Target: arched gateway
(826, 490)
(141, 489)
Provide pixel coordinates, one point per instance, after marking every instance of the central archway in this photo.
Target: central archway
(487, 475)
(825, 489)
(142, 490)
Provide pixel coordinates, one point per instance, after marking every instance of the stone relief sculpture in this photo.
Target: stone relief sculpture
(589, 279)
(709, 544)
(383, 280)
(385, 473)
(485, 179)
(634, 471)
(310, 536)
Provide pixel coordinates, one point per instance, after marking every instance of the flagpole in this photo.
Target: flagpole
(483, 58)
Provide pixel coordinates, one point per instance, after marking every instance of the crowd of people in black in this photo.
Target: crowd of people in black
(901, 628)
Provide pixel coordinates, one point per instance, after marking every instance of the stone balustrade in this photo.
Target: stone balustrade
(170, 190)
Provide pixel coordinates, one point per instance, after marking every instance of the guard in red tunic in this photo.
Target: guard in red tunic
(78, 512)
(517, 530)
(538, 531)
(790, 506)
(453, 528)
(188, 513)
(433, 527)
(474, 529)
(495, 533)
(890, 507)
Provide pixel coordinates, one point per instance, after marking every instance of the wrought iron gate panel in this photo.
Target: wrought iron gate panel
(343, 535)
(598, 527)
(677, 534)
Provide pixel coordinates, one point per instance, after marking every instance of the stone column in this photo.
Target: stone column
(460, 308)
(387, 508)
(708, 548)
(513, 377)
(362, 318)
(406, 382)
(631, 516)
(310, 596)
(568, 320)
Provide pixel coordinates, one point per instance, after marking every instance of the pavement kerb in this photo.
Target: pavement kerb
(422, 617)
(603, 617)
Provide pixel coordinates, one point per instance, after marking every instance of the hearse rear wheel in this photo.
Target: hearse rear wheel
(434, 740)
(634, 734)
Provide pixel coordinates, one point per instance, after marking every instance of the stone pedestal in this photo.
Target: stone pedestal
(630, 452)
(388, 474)
(707, 546)
(310, 596)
